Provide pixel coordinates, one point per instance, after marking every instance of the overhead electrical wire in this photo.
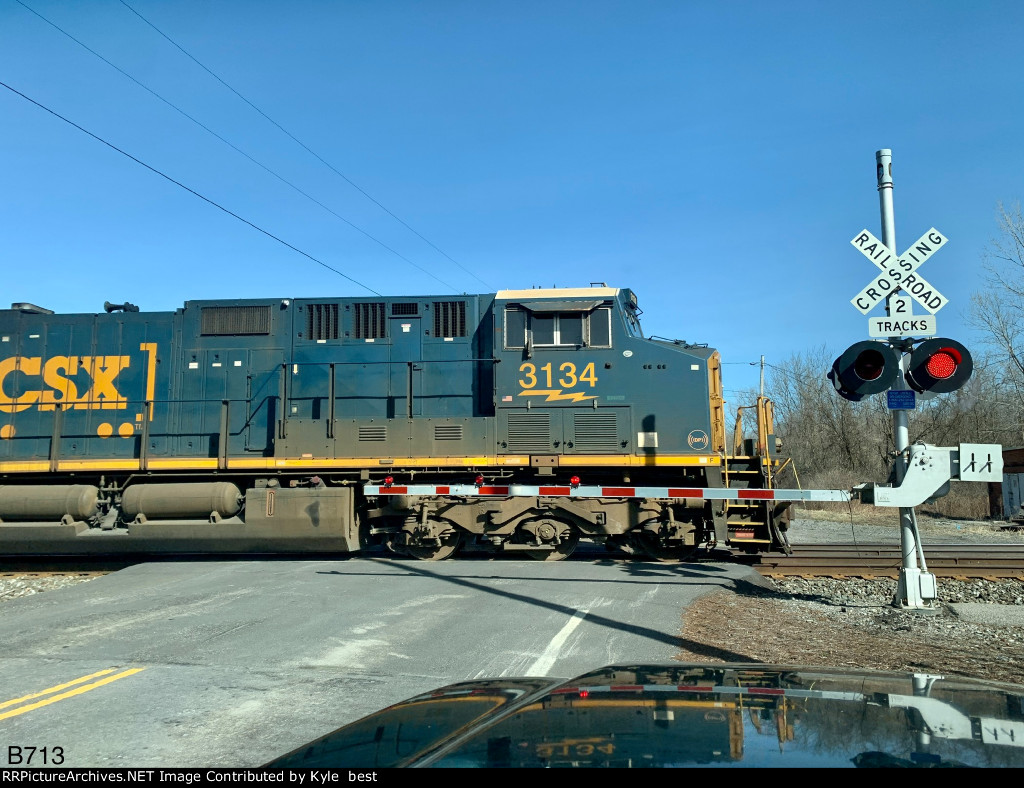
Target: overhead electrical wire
(305, 147)
(236, 148)
(189, 190)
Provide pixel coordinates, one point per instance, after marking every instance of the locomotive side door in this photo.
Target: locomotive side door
(262, 393)
(226, 378)
(405, 367)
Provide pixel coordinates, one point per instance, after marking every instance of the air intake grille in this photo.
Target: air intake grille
(321, 321)
(234, 320)
(447, 432)
(399, 310)
(373, 433)
(529, 432)
(596, 432)
(368, 321)
(449, 318)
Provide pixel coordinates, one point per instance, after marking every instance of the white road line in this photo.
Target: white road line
(547, 659)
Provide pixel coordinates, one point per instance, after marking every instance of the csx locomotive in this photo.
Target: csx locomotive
(523, 420)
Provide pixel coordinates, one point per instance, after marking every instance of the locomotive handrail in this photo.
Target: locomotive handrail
(389, 361)
(61, 407)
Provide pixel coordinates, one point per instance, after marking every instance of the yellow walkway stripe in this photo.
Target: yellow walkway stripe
(64, 695)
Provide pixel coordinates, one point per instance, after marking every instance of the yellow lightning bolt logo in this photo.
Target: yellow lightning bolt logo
(556, 395)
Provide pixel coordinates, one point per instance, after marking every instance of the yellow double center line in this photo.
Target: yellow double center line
(79, 687)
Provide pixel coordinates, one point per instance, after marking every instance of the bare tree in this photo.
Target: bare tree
(998, 310)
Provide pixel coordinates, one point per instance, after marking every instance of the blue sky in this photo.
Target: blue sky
(716, 157)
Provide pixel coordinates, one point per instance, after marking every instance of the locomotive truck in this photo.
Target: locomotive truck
(522, 420)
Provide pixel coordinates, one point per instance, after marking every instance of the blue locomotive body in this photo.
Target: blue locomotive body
(255, 425)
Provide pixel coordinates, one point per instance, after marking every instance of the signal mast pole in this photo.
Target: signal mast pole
(916, 587)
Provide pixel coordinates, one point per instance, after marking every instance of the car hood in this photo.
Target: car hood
(688, 714)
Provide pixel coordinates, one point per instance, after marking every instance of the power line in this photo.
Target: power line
(190, 191)
(236, 148)
(302, 145)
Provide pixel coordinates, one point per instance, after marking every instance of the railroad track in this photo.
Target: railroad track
(960, 561)
(835, 560)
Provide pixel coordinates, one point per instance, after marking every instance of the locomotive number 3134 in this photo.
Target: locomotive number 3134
(565, 376)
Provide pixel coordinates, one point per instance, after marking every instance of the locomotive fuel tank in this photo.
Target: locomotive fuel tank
(181, 500)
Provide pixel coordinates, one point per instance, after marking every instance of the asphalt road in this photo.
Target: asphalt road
(231, 663)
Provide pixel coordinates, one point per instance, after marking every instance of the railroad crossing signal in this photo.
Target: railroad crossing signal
(936, 366)
(900, 271)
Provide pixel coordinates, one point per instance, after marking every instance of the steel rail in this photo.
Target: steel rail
(839, 560)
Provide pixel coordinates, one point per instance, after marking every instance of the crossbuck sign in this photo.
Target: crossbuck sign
(900, 271)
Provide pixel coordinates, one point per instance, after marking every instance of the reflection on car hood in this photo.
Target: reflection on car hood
(681, 714)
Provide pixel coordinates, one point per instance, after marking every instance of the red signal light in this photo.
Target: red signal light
(389, 480)
(943, 364)
(938, 366)
(574, 481)
(479, 480)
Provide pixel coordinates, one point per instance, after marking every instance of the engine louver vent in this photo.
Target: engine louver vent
(596, 432)
(449, 318)
(373, 433)
(321, 321)
(234, 320)
(405, 309)
(447, 432)
(529, 432)
(368, 321)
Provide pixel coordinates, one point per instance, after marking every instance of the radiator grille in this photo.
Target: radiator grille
(405, 309)
(529, 432)
(447, 432)
(368, 321)
(234, 320)
(596, 432)
(449, 318)
(373, 433)
(321, 321)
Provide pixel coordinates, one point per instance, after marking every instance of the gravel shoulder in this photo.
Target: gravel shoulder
(853, 622)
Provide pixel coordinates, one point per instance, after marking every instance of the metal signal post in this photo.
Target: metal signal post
(916, 588)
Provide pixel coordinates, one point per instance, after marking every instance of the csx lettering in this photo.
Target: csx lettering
(56, 384)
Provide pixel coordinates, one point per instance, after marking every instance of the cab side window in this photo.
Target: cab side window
(557, 329)
(515, 327)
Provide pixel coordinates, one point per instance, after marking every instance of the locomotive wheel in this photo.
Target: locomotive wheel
(562, 550)
(558, 537)
(429, 551)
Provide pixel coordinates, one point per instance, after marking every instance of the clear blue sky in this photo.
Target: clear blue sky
(716, 157)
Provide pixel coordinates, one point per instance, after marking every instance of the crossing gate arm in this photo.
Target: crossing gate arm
(598, 491)
(929, 471)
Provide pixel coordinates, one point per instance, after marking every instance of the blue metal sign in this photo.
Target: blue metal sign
(901, 399)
